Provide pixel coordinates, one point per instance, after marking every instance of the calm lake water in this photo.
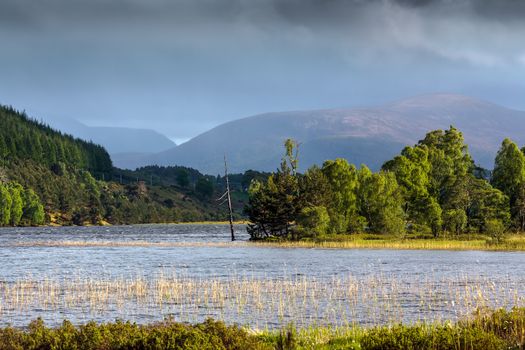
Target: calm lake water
(191, 272)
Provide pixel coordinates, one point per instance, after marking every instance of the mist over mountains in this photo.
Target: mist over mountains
(118, 141)
(361, 135)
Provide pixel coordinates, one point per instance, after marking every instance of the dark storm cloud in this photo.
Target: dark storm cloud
(183, 66)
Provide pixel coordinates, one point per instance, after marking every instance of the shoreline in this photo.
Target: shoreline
(512, 242)
(476, 246)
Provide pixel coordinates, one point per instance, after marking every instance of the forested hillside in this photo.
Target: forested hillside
(27, 139)
(32, 155)
(49, 177)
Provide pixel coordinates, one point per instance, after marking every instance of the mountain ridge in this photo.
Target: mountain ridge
(369, 135)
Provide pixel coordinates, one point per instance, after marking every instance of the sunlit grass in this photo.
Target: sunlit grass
(485, 329)
(511, 243)
(514, 242)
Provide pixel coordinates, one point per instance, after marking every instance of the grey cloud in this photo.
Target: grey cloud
(181, 66)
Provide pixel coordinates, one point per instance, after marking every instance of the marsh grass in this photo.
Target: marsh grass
(261, 303)
(514, 242)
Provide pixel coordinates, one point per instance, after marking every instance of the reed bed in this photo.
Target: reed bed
(260, 303)
(423, 244)
(512, 243)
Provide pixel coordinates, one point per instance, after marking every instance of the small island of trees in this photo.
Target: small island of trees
(432, 188)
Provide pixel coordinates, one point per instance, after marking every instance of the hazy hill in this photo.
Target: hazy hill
(115, 139)
(362, 135)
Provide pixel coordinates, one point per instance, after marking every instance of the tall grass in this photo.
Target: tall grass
(476, 242)
(258, 302)
(510, 243)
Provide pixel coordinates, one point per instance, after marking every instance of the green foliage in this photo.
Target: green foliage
(315, 189)
(485, 330)
(430, 187)
(19, 206)
(509, 169)
(314, 220)
(449, 159)
(382, 203)
(209, 335)
(33, 209)
(496, 230)
(500, 329)
(455, 220)
(441, 189)
(69, 181)
(25, 138)
(274, 205)
(5, 205)
(292, 152)
(437, 338)
(287, 339)
(432, 215)
(183, 178)
(17, 203)
(342, 178)
(204, 188)
(486, 203)
(509, 177)
(76, 197)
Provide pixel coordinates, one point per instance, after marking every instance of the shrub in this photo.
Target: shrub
(438, 338)
(500, 329)
(496, 230)
(209, 335)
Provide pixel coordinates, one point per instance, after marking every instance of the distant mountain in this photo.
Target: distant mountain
(115, 139)
(362, 135)
(132, 160)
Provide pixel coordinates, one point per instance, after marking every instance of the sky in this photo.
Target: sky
(183, 66)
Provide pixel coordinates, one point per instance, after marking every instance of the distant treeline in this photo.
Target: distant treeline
(148, 195)
(185, 177)
(433, 187)
(73, 196)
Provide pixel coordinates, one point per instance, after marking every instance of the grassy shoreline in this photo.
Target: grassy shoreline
(515, 242)
(489, 330)
(512, 242)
